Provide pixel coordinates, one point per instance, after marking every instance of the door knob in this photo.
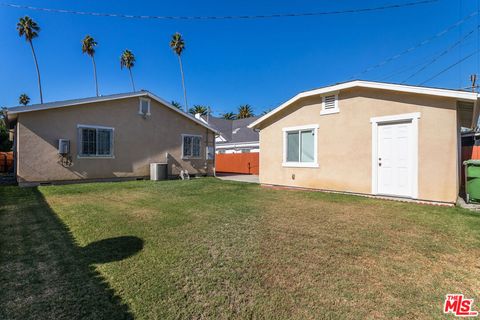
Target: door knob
(379, 164)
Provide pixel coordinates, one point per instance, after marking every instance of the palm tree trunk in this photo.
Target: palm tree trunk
(95, 74)
(38, 71)
(183, 83)
(131, 78)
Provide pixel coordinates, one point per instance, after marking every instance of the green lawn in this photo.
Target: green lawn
(210, 249)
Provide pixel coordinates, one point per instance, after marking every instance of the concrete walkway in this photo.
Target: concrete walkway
(250, 178)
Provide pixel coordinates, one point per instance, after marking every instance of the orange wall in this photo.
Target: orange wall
(471, 152)
(237, 162)
(6, 161)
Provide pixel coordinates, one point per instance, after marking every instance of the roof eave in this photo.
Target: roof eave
(169, 105)
(460, 95)
(14, 113)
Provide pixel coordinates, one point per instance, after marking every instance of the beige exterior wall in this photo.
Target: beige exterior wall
(345, 142)
(137, 142)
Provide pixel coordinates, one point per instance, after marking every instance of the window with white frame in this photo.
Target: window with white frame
(191, 146)
(300, 146)
(330, 104)
(210, 151)
(95, 141)
(144, 108)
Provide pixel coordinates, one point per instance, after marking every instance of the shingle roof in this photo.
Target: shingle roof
(234, 131)
(241, 132)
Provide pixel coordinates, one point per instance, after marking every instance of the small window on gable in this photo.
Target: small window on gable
(330, 104)
(144, 108)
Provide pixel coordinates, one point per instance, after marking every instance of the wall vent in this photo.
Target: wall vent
(329, 102)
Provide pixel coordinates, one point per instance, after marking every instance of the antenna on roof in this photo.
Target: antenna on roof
(473, 80)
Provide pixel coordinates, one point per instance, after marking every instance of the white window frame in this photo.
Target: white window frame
(375, 121)
(336, 109)
(209, 152)
(200, 147)
(80, 142)
(313, 164)
(140, 106)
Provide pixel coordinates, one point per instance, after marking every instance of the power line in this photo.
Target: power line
(244, 17)
(450, 48)
(450, 67)
(404, 69)
(418, 45)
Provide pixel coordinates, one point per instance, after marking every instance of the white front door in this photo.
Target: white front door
(394, 161)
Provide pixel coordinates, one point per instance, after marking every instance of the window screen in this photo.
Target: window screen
(95, 141)
(191, 146)
(292, 146)
(307, 146)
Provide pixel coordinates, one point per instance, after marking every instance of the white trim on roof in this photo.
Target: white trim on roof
(68, 103)
(461, 95)
(237, 144)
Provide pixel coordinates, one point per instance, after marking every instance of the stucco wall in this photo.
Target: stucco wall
(345, 142)
(137, 141)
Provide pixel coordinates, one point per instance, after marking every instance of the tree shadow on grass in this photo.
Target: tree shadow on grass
(44, 274)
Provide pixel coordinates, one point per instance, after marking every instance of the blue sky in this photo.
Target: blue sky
(231, 62)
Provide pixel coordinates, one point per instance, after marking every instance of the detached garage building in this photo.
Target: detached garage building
(368, 138)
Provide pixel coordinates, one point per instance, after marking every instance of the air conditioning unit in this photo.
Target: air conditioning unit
(63, 146)
(158, 171)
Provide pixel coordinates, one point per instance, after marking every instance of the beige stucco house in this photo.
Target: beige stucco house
(108, 137)
(368, 138)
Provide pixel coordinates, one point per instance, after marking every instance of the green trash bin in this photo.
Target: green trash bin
(472, 180)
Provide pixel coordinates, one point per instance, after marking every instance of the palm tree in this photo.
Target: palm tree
(127, 60)
(245, 111)
(30, 29)
(229, 116)
(178, 45)
(176, 104)
(88, 47)
(24, 99)
(203, 110)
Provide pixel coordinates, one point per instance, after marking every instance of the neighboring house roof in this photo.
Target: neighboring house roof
(222, 125)
(448, 93)
(234, 131)
(14, 111)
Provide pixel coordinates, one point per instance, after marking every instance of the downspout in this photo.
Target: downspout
(475, 115)
(214, 156)
(207, 144)
(15, 150)
(459, 154)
